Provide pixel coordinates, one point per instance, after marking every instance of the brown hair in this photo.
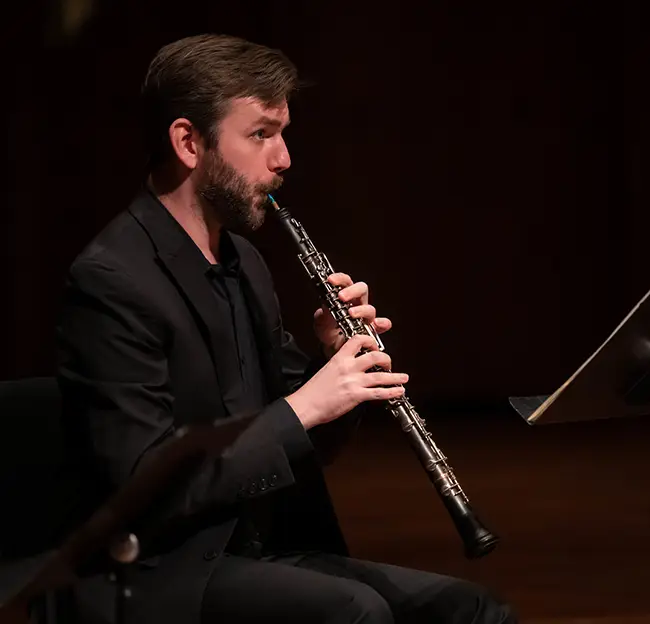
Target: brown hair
(196, 77)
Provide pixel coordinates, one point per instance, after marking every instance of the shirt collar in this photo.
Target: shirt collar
(229, 258)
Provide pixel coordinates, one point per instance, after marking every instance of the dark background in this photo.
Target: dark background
(480, 165)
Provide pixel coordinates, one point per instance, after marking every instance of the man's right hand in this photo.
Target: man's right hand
(343, 383)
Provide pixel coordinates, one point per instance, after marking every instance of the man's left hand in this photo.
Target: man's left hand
(356, 295)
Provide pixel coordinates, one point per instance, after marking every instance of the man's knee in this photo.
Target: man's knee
(464, 602)
(491, 609)
(481, 606)
(367, 606)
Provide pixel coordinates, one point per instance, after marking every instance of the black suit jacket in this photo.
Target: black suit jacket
(142, 352)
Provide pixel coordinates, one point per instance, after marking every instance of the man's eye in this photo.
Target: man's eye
(259, 134)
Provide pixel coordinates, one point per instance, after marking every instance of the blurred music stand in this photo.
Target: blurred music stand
(614, 382)
(107, 529)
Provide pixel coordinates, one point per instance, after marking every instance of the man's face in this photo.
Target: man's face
(235, 177)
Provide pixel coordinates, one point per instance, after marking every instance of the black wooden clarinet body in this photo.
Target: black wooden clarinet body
(477, 540)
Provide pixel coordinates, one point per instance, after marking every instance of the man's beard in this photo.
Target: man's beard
(236, 204)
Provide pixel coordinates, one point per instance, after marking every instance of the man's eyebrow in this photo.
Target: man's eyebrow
(270, 121)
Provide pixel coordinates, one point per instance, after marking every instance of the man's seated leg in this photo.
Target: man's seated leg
(415, 595)
(244, 591)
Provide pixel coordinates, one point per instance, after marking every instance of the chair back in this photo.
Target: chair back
(37, 492)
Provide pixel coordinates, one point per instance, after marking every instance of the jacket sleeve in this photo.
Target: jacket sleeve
(118, 398)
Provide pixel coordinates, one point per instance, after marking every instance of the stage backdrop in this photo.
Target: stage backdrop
(468, 162)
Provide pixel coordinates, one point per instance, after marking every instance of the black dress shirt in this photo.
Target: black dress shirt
(248, 392)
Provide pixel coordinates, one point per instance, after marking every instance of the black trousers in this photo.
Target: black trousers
(323, 588)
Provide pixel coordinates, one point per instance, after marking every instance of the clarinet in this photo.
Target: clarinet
(477, 540)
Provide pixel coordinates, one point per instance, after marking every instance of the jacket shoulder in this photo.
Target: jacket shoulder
(117, 245)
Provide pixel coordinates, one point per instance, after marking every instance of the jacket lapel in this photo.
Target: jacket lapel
(186, 266)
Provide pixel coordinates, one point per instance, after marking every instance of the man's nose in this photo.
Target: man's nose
(280, 160)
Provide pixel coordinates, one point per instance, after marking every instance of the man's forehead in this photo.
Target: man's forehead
(250, 109)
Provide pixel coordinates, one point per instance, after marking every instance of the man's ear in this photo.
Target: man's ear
(186, 142)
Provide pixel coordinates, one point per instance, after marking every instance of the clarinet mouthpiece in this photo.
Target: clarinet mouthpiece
(274, 203)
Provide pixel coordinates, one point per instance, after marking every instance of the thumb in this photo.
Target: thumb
(320, 313)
